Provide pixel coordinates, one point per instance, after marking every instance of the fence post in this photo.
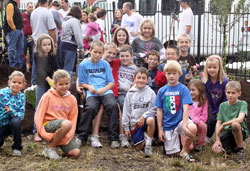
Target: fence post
(199, 31)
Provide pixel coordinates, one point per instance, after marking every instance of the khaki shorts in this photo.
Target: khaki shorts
(54, 125)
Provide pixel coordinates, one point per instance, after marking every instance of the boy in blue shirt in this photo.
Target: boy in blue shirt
(95, 75)
(172, 104)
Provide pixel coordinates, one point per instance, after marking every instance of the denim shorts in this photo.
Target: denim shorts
(54, 125)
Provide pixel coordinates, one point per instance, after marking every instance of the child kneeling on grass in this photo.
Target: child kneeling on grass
(172, 104)
(56, 118)
(231, 123)
(12, 107)
(139, 112)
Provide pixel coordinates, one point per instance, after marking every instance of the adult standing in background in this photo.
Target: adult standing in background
(117, 21)
(131, 21)
(64, 8)
(13, 24)
(42, 22)
(27, 31)
(186, 20)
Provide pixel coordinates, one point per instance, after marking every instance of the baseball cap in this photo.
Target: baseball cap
(56, 3)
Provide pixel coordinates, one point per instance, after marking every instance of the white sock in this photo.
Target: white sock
(149, 141)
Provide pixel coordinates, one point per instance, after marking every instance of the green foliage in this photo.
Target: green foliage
(31, 97)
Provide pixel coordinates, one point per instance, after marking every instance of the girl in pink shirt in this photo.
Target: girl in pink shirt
(198, 111)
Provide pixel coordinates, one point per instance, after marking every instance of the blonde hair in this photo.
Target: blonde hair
(221, 73)
(96, 43)
(17, 73)
(38, 47)
(234, 84)
(92, 17)
(201, 88)
(172, 66)
(149, 21)
(183, 36)
(109, 45)
(59, 74)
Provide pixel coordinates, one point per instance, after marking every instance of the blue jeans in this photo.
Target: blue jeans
(27, 45)
(15, 48)
(69, 58)
(121, 98)
(33, 72)
(39, 93)
(14, 128)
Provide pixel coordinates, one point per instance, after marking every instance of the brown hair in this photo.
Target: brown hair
(155, 53)
(92, 17)
(101, 13)
(76, 12)
(38, 47)
(120, 11)
(126, 48)
(115, 36)
(175, 48)
(201, 88)
(59, 74)
(141, 70)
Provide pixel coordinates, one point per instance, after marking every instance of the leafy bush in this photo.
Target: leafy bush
(30, 95)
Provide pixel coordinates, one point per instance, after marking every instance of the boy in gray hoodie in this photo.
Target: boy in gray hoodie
(139, 112)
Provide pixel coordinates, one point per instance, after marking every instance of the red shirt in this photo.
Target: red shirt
(27, 30)
(115, 64)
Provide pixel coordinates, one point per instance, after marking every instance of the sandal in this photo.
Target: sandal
(189, 158)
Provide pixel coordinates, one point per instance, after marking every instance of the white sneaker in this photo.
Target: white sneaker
(115, 144)
(124, 141)
(208, 140)
(51, 153)
(148, 150)
(16, 153)
(95, 142)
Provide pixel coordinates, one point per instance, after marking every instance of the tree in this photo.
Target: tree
(222, 10)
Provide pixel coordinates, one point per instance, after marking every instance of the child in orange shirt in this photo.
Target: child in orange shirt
(56, 118)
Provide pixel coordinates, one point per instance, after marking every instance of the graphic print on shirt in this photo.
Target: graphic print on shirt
(216, 95)
(141, 104)
(172, 101)
(184, 64)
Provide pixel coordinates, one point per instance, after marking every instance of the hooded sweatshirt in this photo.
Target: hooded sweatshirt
(138, 102)
(92, 29)
(72, 32)
(55, 107)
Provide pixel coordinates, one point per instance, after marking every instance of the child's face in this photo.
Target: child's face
(147, 30)
(62, 86)
(46, 45)
(141, 80)
(126, 58)
(232, 95)
(184, 43)
(152, 61)
(96, 54)
(84, 17)
(121, 37)
(172, 77)
(171, 54)
(118, 14)
(109, 54)
(16, 84)
(194, 92)
(213, 68)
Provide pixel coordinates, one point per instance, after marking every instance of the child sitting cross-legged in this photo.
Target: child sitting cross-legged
(56, 117)
(172, 104)
(231, 128)
(139, 112)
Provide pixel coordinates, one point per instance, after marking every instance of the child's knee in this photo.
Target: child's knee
(66, 124)
(202, 126)
(16, 122)
(74, 153)
(139, 146)
(150, 121)
(236, 127)
(192, 127)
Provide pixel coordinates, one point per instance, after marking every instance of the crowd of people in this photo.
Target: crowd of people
(148, 92)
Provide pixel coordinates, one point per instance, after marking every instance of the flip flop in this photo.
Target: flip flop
(189, 158)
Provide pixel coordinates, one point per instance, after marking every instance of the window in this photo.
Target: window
(121, 2)
(194, 4)
(147, 7)
(169, 6)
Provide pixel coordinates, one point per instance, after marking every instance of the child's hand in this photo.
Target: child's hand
(217, 146)
(161, 136)
(141, 121)
(188, 76)
(128, 134)
(92, 89)
(100, 91)
(187, 132)
(7, 108)
(79, 89)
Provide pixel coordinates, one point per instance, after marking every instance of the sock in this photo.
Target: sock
(149, 141)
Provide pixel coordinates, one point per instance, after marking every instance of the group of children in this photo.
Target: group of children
(139, 101)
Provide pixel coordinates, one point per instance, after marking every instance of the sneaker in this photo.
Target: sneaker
(208, 140)
(37, 138)
(95, 142)
(124, 141)
(241, 156)
(79, 142)
(51, 153)
(16, 153)
(199, 148)
(115, 144)
(148, 150)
